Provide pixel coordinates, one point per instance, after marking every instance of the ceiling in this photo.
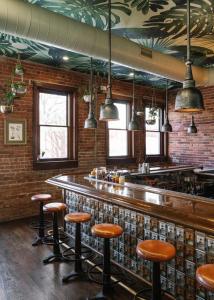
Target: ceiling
(157, 24)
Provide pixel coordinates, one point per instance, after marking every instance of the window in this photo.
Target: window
(154, 136)
(119, 138)
(54, 127)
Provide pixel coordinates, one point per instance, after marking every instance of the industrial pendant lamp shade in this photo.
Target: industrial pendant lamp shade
(189, 98)
(108, 110)
(133, 124)
(167, 127)
(91, 122)
(192, 128)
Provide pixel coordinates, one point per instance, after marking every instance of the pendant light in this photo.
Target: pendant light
(167, 127)
(192, 128)
(133, 124)
(91, 122)
(109, 111)
(189, 98)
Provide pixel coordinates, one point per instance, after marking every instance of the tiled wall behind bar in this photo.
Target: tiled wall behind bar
(177, 276)
(196, 148)
(18, 180)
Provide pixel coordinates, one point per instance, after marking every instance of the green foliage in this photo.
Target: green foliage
(91, 12)
(145, 5)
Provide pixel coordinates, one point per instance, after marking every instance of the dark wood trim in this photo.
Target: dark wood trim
(122, 159)
(72, 118)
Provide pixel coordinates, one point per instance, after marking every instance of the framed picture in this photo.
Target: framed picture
(15, 132)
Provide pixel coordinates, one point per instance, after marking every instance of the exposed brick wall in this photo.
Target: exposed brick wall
(196, 148)
(18, 180)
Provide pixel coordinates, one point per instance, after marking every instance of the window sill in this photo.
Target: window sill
(120, 160)
(49, 165)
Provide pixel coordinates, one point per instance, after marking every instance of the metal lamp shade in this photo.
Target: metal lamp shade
(167, 127)
(192, 128)
(133, 125)
(90, 122)
(109, 111)
(189, 99)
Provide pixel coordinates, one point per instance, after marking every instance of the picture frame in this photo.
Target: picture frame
(15, 132)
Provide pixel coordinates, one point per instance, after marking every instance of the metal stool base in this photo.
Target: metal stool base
(75, 275)
(53, 258)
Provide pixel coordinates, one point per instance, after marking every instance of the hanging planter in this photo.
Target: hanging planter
(19, 70)
(87, 98)
(19, 88)
(6, 104)
(153, 113)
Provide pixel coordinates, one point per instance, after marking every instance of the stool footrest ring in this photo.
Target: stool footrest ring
(93, 270)
(69, 254)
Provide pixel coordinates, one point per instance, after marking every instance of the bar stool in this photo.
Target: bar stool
(205, 276)
(155, 251)
(106, 231)
(55, 208)
(41, 227)
(77, 218)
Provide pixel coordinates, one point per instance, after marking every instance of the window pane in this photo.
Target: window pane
(122, 122)
(118, 145)
(156, 125)
(53, 142)
(52, 109)
(152, 143)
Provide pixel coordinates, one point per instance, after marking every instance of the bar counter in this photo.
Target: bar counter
(145, 212)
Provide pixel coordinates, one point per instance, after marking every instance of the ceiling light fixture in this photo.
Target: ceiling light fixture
(167, 127)
(192, 128)
(65, 58)
(133, 124)
(109, 111)
(91, 122)
(189, 98)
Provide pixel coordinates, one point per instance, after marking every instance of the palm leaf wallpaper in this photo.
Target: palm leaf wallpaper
(156, 24)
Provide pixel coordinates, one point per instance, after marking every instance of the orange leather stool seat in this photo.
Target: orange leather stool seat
(205, 276)
(156, 251)
(55, 206)
(78, 217)
(106, 231)
(41, 197)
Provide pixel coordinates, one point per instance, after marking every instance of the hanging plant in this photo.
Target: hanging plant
(19, 70)
(7, 100)
(152, 117)
(19, 88)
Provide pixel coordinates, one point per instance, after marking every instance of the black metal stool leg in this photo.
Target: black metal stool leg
(156, 285)
(40, 239)
(78, 271)
(106, 277)
(57, 255)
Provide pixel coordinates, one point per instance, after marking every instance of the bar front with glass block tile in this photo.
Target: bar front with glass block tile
(177, 276)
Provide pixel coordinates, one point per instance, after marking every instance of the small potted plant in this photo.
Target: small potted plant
(19, 88)
(19, 69)
(6, 103)
(152, 117)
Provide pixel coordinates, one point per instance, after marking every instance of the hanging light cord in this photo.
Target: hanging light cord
(188, 31)
(167, 99)
(91, 86)
(133, 91)
(109, 43)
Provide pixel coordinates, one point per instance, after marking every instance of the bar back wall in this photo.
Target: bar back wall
(197, 148)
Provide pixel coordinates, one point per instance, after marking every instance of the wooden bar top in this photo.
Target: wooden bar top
(184, 209)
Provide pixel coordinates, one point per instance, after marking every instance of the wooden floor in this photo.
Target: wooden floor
(24, 277)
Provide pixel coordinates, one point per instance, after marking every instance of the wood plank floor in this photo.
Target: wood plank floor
(24, 277)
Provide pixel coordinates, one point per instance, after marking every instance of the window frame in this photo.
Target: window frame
(117, 160)
(71, 161)
(162, 157)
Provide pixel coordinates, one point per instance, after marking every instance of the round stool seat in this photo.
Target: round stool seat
(78, 217)
(155, 250)
(55, 206)
(205, 276)
(106, 230)
(41, 197)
